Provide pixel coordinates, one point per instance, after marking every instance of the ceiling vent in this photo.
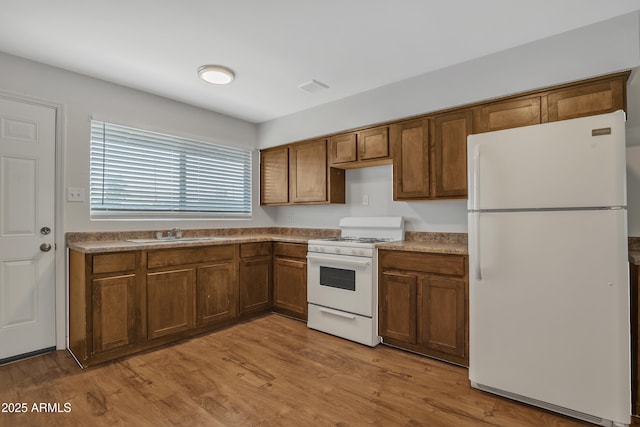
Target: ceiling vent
(313, 86)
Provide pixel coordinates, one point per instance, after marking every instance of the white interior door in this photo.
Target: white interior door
(27, 261)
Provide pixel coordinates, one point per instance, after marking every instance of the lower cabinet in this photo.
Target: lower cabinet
(170, 302)
(216, 293)
(255, 277)
(290, 279)
(105, 305)
(115, 302)
(125, 302)
(423, 303)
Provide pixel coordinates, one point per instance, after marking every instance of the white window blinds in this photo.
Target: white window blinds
(135, 171)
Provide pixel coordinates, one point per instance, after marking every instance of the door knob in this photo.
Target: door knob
(45, 247)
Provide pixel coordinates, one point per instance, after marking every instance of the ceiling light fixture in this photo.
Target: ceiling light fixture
(216, 74)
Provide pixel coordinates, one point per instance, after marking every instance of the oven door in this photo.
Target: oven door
(341, 282)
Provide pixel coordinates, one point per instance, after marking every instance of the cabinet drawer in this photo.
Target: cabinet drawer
(249, 250)
(112, 263)
(453, 265)
(169, 257)
(292, 250)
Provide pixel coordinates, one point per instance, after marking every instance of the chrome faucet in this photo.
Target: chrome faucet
(175, 233)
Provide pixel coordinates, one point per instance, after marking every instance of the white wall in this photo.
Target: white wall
(375, 182)
(83, 97)
(602, 48)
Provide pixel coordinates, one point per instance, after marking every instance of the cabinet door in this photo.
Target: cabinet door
(170, 302)
(308, 168)
(217, 297)
(290, 285)
(373, 143)
(586, 100)
(450, 133)
(509, 114)
(410, 143)
(397, 307)
(115, 304)
(274, 176)
(255, 284)
(342, 149)
(442, 314)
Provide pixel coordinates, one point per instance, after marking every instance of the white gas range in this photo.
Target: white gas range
(342, 278)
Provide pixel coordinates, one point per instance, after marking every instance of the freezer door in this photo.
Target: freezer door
(571, 163)
(549, 308)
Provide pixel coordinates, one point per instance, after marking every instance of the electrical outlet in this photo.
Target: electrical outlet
(75, 194)
(365, 200)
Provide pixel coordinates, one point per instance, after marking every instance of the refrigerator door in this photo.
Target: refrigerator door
(571, 163)
(549, 308)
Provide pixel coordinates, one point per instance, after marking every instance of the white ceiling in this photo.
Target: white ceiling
(274, 46)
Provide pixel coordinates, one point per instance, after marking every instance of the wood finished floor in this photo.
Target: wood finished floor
(272, 371)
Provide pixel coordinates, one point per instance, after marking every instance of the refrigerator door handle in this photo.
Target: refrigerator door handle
(476, 176)
(476, 225)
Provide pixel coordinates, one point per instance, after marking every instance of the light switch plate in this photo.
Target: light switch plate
(75, 194)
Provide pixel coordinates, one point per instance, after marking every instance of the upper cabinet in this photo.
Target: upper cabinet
(299, 173)
(430, 157)
(369, 147)
(428, 152)
(311, 180)
(410, 143)
(274, 176)
(508, 114)
(449, 135)
(588, 99)
(308, 172)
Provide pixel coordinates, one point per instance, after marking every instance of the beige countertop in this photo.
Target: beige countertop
(123, 245)
(432, 247)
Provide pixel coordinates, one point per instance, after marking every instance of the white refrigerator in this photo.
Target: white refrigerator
(548, 267)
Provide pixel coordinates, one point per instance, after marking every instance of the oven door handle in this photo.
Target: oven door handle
(337, 313)
(338, 260)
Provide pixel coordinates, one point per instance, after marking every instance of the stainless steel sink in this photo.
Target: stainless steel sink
(176, 239)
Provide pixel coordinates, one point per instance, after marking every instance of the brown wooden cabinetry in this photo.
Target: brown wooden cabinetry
(449, 134)
(217, 292)
(423, 304)
(188, 287)
(115, 302)
(274, 176)
(368, 147)
(596, 97)
(299, 173)
(104, 304)
(311, 179)
(410, 145)
(507, 114)
(170, 301)
(429, 152)
(255, 277)
(430, 157)
(290, 279)
(634, 274)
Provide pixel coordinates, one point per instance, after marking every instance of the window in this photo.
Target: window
(138, 173)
